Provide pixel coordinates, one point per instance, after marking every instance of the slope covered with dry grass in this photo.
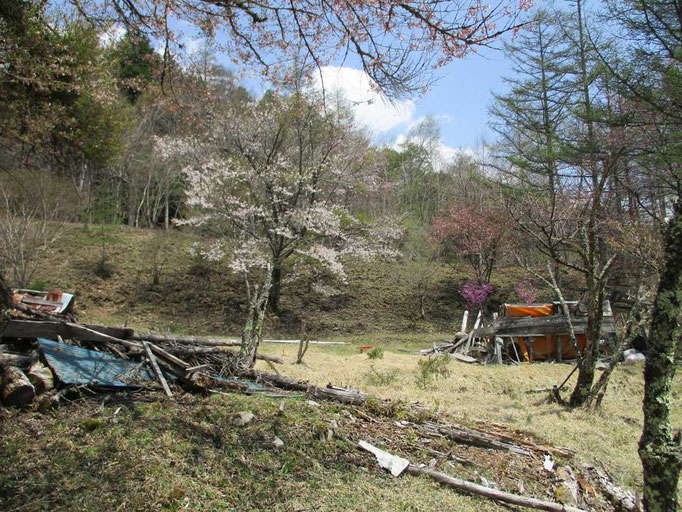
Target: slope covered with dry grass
(193, 296)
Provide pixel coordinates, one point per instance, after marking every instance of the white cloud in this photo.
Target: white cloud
(449, 154)
(194, 46)
(371, 108)
(374, 111)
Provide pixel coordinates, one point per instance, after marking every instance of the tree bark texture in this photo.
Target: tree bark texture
(659, 448)
(595, 313)
(275, 287)
(17, 390)
(251, 335)
(5, 303)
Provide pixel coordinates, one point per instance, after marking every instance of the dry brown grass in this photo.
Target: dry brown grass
(501, 394)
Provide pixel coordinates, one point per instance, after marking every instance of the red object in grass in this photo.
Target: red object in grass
(366, 347)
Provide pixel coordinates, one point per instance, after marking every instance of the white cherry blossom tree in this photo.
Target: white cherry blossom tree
(273, 182)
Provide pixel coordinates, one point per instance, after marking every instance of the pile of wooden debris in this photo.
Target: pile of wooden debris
(43, 353)
(525, 333)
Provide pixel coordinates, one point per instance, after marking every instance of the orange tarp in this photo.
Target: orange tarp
(544, 347)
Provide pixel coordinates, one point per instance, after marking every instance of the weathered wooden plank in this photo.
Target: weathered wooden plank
(33, 329)
(122, 333)
(51, 329)
(170, 357)
(540, 326)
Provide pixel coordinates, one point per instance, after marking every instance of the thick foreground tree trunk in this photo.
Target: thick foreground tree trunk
(659, 449)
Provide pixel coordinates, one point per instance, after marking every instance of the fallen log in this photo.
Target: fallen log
(480, 490)
(622, 499)
(345, 396)
(473, 437)
(190, 340)
(218, 350)
(16, 388)
(14, 359)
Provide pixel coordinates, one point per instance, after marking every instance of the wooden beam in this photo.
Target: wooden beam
(173, 359)
(548, 325)
(191, 340)
(51, 329)
(495, 494)
(157, 370)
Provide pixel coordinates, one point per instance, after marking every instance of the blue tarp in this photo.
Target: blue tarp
(77, 365)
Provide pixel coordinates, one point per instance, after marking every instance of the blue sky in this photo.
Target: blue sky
(464, 94)
(459, 101)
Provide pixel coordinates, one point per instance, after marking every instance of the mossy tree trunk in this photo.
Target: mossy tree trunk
(659, 448)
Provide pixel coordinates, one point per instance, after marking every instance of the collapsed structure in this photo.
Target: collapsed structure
(527, 333)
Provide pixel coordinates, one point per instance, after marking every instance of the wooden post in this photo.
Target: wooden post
(559, 348)
(498, 349)
(471, 334)
(465, 321)
(530, 341)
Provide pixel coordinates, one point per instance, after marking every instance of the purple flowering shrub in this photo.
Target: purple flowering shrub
(526, 292)
(476, 294)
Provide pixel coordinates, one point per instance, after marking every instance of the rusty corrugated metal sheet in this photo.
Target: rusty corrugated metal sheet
(77, 365)
(53, 301)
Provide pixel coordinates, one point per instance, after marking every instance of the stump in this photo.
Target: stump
(41, 377)
(16, 388)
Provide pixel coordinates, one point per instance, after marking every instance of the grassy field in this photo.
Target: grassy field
(501, 394)
(150, 455)
(140, 452)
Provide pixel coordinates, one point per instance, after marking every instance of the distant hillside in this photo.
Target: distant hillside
(193, 296)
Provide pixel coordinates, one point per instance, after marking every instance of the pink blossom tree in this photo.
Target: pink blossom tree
(475, 233)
